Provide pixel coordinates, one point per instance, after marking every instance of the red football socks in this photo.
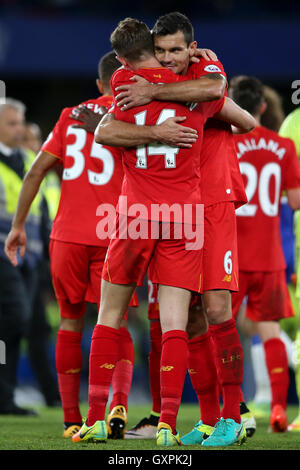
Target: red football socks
(154, 364)
(122, 376)
(229, 362)
(277, 366)
(172, 374)
(68, 360)
(103, 358)
(203, 374)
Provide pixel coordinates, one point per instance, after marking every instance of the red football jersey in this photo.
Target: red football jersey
(159, 174)
(269, 165)
(221, 179)
(92, 175)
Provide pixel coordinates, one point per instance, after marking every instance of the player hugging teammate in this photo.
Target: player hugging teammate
(173, 121)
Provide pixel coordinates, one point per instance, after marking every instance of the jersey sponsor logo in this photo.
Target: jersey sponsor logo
(107, 366)
(227, 278)
(167, 368)
(212, 68)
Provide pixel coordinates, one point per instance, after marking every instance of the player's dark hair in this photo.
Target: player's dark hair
(132, 39)
(274, 114)
(247, 92)
(108, 64)
(173, 22)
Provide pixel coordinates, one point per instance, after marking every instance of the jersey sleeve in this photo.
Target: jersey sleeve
(54, 142)
(292, 173)
(210, 108)
(205, 67)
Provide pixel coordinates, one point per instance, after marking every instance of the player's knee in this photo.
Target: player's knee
(218, 313)
(75, 325)
(268, 330)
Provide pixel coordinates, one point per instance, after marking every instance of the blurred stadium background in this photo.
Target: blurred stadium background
(49, 51)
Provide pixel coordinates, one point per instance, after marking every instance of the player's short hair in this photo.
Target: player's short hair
(107, 65)
(14, 104)
(247, 92)
(131, 39)
(274, 114)
(173, 22)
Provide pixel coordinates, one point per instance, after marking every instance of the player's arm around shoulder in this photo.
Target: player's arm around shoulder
(236, 116)
(116, 133)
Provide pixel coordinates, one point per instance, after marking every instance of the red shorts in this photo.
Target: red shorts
(76, 272)
(268, 296)
(172, 263)
(220, 253)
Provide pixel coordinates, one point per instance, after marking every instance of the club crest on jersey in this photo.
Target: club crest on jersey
(212, 68)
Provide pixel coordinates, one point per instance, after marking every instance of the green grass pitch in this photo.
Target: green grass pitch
(45, 433)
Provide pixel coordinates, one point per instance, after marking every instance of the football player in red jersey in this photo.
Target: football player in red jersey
(269, 164)
(133, 44)
(222, 190)
(92, 174)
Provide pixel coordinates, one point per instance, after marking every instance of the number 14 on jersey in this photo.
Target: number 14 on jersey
(143, 151)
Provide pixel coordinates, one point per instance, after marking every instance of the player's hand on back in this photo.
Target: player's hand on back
(172, 133)
(15, 239)
(137, 94)
(206, 54)
(88, 118)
